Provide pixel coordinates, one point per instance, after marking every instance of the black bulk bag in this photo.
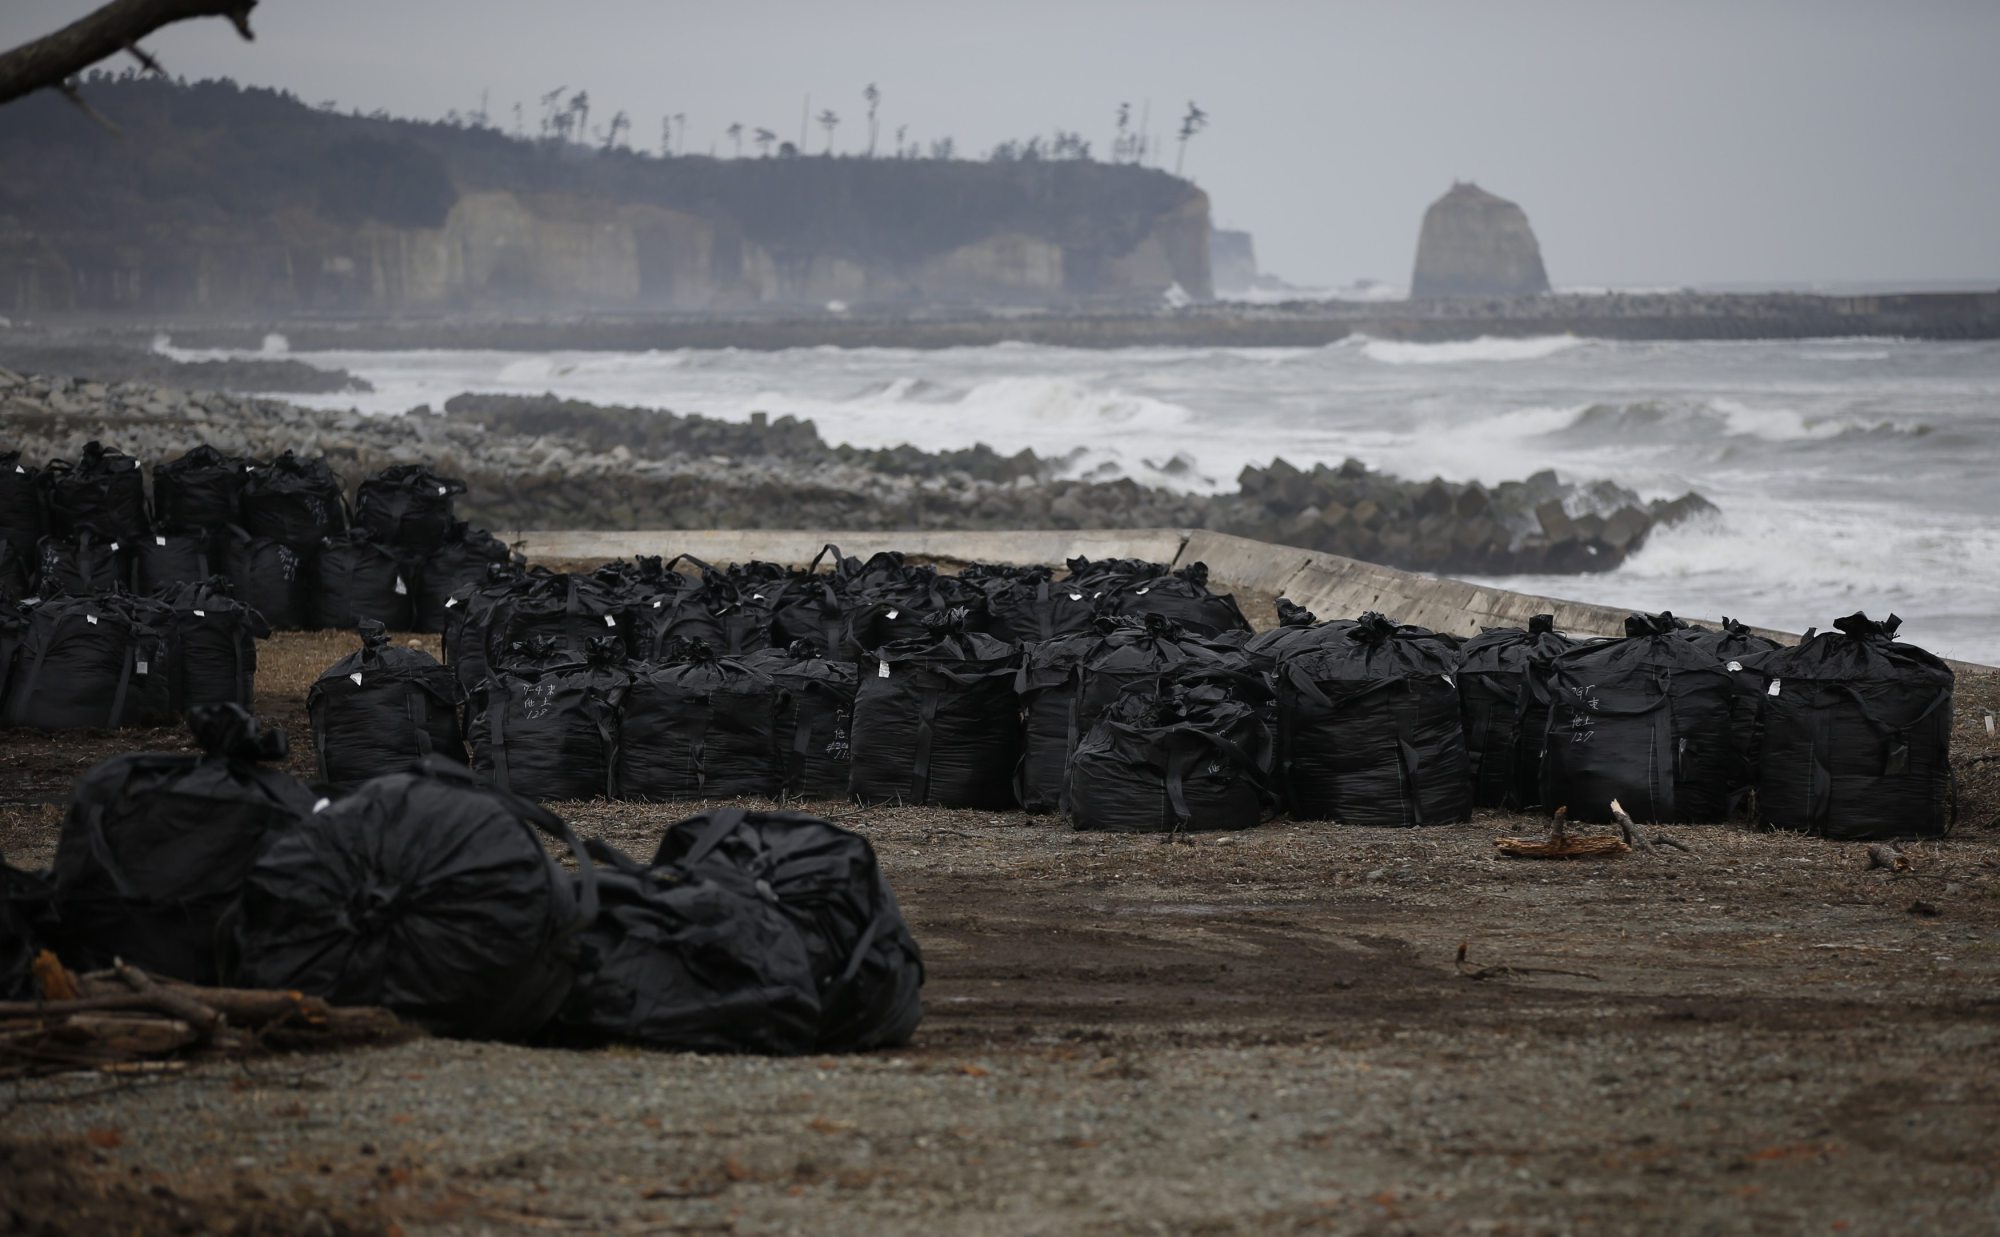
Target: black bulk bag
(1298, 628)
(24, 513)
(83, 563)
(1166, 758)
(296, 501)
(730, 618)
(1504, 716)
(214, 637)
(356, 579)
(1733, 645)
(270, 577)
(103, 492)
(468, 615)
(551, 733)
(427, 892)
(407, 506)
(459, 563)
(936, 721)
(1046, 686)
(812, 609)
(1643, 720)
(815, 719)
(1183, 597)
(1031, 607)
(202, 490)
(168, 558)
(866, 965)
(87, 662)
(698, 727)
(1368, 728)
(691, 962)
(1856, 735)
(1135, 649)
(1107, 575)
(382, 709)
(572, 609)
(27, 925)
(157, 845)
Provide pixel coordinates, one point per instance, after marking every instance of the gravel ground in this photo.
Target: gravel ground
(1258, 1032)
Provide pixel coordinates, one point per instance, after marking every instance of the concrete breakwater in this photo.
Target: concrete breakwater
(544, 463)
(1296, 324)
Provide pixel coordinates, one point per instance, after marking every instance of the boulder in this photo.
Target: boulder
(1476, 244)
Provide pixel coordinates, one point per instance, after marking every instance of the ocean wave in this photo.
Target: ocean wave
(1725, 418)
(1066, 403)
(1459, 352)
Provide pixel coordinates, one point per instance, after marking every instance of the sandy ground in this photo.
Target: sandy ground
(1254, 1033)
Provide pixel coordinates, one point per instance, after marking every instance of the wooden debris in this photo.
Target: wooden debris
(1562, 844)
(111, 1020)
(1638, 839)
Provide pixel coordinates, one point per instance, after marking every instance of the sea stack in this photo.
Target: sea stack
(1476, 244)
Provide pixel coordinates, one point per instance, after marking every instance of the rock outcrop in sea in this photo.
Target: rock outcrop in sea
(1477, 244)
(540, 462)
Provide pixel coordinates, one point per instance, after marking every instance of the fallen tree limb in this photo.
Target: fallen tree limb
(53, 59)
(1639, 839)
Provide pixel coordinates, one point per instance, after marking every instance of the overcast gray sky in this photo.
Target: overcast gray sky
(1650, 142)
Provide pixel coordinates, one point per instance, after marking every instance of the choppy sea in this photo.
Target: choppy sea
(1851, 474)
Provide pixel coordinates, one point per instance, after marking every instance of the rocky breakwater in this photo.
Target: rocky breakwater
(544, 463)
(1542, 524)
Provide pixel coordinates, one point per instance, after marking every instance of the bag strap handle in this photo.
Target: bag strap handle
(721, 823)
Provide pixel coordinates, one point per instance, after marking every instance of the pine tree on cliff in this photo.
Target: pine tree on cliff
(764, 138)
(735, 132)
(874, 98)
(829, 120)
(1194, 122)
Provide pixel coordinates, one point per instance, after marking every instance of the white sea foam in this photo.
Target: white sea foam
(1460, 352)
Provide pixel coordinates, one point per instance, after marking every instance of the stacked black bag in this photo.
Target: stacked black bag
(1644, 720)
(1168, 758)
(551, 732)
(865, 964)
(167, 559)
(1047, 686)
(214, 641)
(270, 576)
(730, 616)
(200, 493)
(82, 563)
(382, 709)
(1028, 605)
(815, 719)
(1734, 645)
(91, 662)
(1368, 728)
(1183, 597)
(1856, 734)
(427, 892)
(459, 562)
(699, 726)
(935, 720)
(103, 492)
(24, 513)
(407, 506)
(156, 846)
(359, 579)
(295, 502)
(1504, 715)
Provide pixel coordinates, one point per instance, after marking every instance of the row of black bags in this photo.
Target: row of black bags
(1846, 734)
(430, 892)
(282, 532)
(115, 660)
(291, 499)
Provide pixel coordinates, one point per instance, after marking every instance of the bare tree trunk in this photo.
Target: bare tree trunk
(100, 35)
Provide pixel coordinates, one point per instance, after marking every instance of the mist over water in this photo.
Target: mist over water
(1852, 474)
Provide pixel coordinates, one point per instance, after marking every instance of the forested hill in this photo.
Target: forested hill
(214, 198)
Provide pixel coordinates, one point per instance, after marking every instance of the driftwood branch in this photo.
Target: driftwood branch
(101, 34)
(1639, 839)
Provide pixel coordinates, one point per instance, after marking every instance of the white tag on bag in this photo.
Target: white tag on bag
(882, 670)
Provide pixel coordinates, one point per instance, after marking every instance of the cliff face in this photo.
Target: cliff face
(225, 200)
(1232, 257)
(1476, 244)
